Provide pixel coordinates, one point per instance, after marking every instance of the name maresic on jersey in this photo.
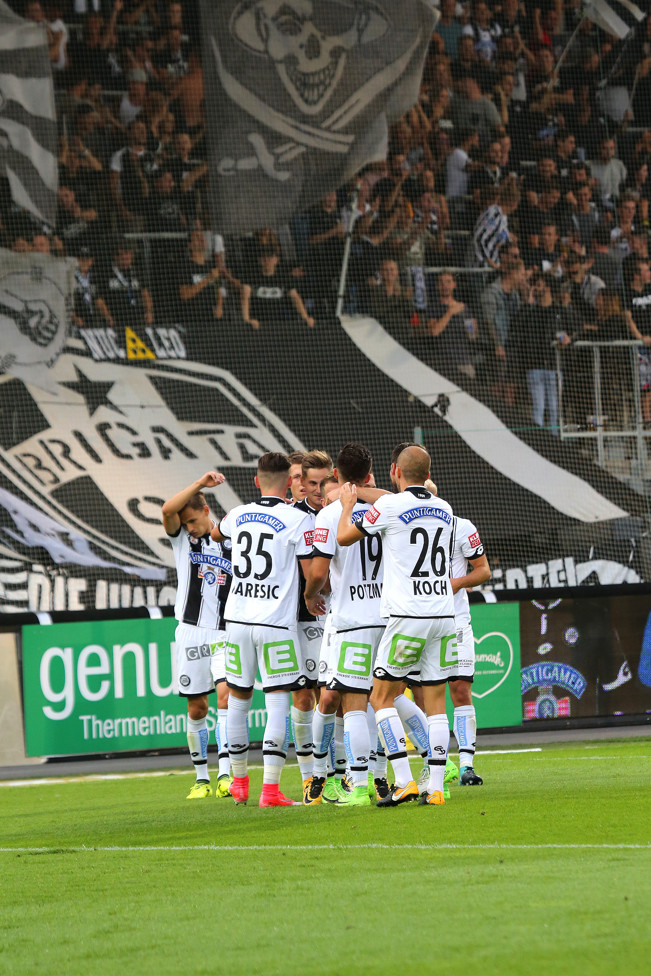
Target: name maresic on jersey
(256, 591)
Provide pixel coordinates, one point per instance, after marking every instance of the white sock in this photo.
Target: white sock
(414, 720)
(372, 738)
(323, 730)
(331, 754)
(380, 760)
(276, 735)
(237, 731)
(357, 743)
(340, 751)
(439, 740)
(198, 746)
(392, 735)
(303, 741)
(465, 732)
(221, 735)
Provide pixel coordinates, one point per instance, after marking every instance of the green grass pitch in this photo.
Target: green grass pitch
(546, 869)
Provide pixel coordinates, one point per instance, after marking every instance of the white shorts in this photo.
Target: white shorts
(217, 667)
(274, 651)
(310, 636)
(424, 648)
(193, 657)
(465, 667)
(324, 652)
(352, 659)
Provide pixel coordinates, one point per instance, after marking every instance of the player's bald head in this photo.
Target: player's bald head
(413, 464)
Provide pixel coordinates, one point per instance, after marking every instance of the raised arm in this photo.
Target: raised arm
(176, 504)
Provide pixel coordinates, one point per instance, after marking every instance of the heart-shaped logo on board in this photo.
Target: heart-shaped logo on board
(493, 663)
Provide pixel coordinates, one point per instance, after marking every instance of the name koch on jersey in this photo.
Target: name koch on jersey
(267, 539)
(467, 545)
(203, 571)
(417, 530)
(356, 572)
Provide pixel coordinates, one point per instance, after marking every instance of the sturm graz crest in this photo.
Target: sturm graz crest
(100, 451)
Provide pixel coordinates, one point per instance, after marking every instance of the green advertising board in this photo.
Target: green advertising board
(496, 691)
(107, 686)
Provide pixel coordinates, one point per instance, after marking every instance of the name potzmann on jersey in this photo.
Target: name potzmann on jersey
(365, 591)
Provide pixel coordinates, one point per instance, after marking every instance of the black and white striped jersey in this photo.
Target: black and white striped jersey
(203, 570)
(490, 234)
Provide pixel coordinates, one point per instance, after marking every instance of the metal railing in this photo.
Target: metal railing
(612, 393)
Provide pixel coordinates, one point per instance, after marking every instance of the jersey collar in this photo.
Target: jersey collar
(419, 491)
(270, 500)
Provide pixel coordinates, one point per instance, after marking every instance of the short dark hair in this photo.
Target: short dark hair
(399, 448)
(601, 236)
(196, 502)
(273, 463)
(296, 457)
(631, 268)
(354, 462)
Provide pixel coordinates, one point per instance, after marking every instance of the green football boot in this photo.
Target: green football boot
(332, 792)
(451, 772)
(358, 797)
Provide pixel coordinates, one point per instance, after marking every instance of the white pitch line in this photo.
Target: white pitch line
(326, 847)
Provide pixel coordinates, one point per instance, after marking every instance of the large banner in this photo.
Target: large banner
(300, 95)
(108, 687)
(97, 429)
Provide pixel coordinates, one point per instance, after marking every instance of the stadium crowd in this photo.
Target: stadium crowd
(531, 183)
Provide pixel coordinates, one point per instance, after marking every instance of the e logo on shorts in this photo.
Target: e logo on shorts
(232, 658)
(355, 659)
(405, 650)
(280, 657)
(449, 652)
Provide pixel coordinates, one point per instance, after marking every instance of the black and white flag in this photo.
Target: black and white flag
(28, 134)
(617, 17)
(299, 96)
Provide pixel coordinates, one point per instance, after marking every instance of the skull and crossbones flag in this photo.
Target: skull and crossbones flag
(299, 96)
(28, 132)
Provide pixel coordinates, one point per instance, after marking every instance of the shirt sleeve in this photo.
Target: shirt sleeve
(225, 526)
(375, 518)
(470, 544)
(325, 537)
(304, 538)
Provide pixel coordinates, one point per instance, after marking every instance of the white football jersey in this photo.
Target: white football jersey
(356, 572)
(203, 570)
(417, 531)
(467, 545)
(267, 537)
